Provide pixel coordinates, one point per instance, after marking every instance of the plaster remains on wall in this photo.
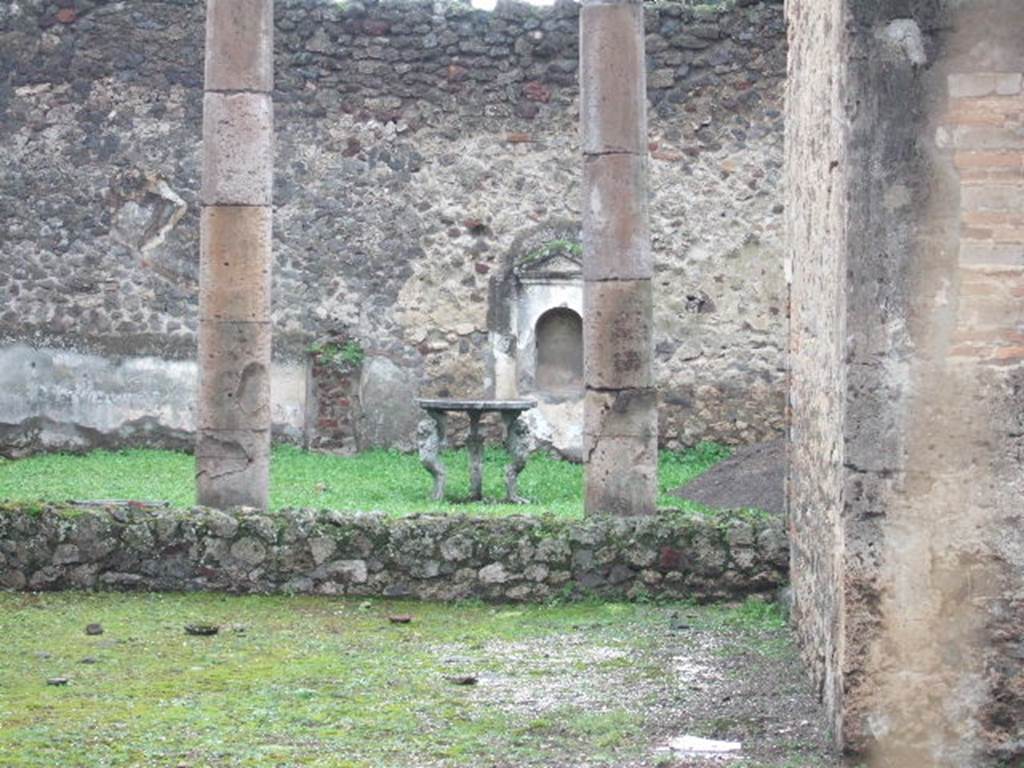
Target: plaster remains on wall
(906, 463)
(416, 144)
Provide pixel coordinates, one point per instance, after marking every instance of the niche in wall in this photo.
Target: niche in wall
(536, 333)
(559, 364)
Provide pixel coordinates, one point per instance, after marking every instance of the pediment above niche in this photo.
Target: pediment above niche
(548, 251)
(560, 259)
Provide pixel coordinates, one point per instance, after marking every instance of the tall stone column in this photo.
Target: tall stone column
(233, 443)
(620, 449)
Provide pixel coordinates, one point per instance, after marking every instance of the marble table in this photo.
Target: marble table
(431, 435)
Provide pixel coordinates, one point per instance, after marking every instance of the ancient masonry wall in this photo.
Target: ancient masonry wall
(417, 144)
(908, 374)
(816, 231)
(121, 546)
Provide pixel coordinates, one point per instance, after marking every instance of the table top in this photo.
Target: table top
(454, 404)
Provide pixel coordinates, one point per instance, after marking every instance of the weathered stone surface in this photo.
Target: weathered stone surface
(387, 414)
(249, 551)
(553, 551)
(621, 413)
(238, 149)
(616, 234)
(219, 523)
(351, 571)
(906, 463)
(457, 548)
(321, 548)
(613, 93)
(499, 559)
(232, 467)
(79, 402)
(240, 45)
(235, 261)
(493, 574)
(622, 478)
(617, 321)
(234, 382)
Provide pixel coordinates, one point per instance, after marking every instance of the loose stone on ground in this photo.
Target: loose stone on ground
(601, 685)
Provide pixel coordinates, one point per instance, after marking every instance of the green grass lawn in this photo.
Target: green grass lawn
(305, 681)
(375, 480)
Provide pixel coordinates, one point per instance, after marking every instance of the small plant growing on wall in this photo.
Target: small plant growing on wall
(336, 353)
(553, 248)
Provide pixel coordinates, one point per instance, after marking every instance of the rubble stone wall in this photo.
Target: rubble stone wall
(417, 143)
(121, 546)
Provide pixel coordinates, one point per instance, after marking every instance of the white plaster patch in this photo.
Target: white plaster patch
(897, 196)
(105, 394)
(905, 35)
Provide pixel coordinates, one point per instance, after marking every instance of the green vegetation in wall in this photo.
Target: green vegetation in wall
(343, 355)
(553, 248)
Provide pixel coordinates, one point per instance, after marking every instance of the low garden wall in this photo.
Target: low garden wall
(130, 546)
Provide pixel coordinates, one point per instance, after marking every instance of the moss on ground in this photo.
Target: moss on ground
(327, 682)
(375, 480)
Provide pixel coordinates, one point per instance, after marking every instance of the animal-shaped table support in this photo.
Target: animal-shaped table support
(431, 435)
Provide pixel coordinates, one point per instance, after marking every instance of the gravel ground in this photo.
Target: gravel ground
(694, 672)
(118, 681)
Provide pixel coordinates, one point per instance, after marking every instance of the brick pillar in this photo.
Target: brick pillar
(620, 448)
(905, 183)
(233, 435)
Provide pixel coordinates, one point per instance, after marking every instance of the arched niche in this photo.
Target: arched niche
(559, 352)
(534, 319)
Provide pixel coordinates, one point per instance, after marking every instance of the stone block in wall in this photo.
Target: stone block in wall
(975, 84)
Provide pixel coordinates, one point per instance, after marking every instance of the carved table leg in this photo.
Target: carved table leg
(431, 434)
(518, 447)
(475, 443)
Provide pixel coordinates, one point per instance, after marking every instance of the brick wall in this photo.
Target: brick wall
(982, 129)
(904, 223)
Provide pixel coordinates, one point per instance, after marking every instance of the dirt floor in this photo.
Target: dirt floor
(330, 682)
(754, 477)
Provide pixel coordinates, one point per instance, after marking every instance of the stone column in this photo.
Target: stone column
(233, 430)
(620, 444)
